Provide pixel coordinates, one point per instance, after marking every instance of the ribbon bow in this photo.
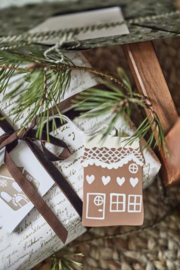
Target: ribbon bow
(9, 140)
(30, 134)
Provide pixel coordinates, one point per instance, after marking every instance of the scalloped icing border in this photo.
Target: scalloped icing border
(112, 165)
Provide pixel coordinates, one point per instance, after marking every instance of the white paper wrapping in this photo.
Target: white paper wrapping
(34, 240)
(80, 81)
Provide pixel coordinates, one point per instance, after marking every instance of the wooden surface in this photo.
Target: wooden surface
(150, 81)
(171, 169)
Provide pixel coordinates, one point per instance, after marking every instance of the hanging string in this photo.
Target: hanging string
(15, 41)
(47, 54)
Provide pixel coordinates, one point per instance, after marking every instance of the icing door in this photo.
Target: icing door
(95, 206)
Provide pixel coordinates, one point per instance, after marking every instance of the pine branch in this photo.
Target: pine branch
(37, 84)
(32, 84)
(120, 101)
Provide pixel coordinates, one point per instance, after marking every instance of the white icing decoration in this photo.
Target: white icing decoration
(114, 165)
(120, 181)
(133, 168)
(3, 183)
(134, 181)
(106, 180)
(90, 179)
(133, 205)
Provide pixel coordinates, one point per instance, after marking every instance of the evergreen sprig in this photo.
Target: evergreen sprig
(32, 84)
(64, 260)
(119, 101)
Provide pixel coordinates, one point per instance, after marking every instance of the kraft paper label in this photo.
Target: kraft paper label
(113, 173)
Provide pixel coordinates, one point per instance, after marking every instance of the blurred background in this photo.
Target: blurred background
(151, 247)
(157, 247)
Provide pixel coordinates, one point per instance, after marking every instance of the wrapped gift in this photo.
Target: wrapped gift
(34, 240)
(80, 81)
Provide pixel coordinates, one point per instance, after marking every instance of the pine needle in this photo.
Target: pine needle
(63, 260)
(120, 103)
(32, 88)
(34, 84)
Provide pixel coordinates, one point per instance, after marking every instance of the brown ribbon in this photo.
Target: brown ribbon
(9, 140)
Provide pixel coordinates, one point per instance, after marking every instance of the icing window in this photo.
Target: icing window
(133, 168)
(134, 203)
(16, 187)
(98, 200)
(117, 202)
(6, 196)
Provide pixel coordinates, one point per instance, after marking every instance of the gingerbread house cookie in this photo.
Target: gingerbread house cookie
(113, 172)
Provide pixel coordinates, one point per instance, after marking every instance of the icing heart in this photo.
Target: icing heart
(134, 181)
(90, 179)
(120, 181)
(106, 179)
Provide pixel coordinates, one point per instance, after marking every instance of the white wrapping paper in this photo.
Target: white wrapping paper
(80, 81)
(34, 240)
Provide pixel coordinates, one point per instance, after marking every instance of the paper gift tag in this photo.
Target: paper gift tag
(85, 18)
(14, 204)
(112, 192)
(10, 191)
